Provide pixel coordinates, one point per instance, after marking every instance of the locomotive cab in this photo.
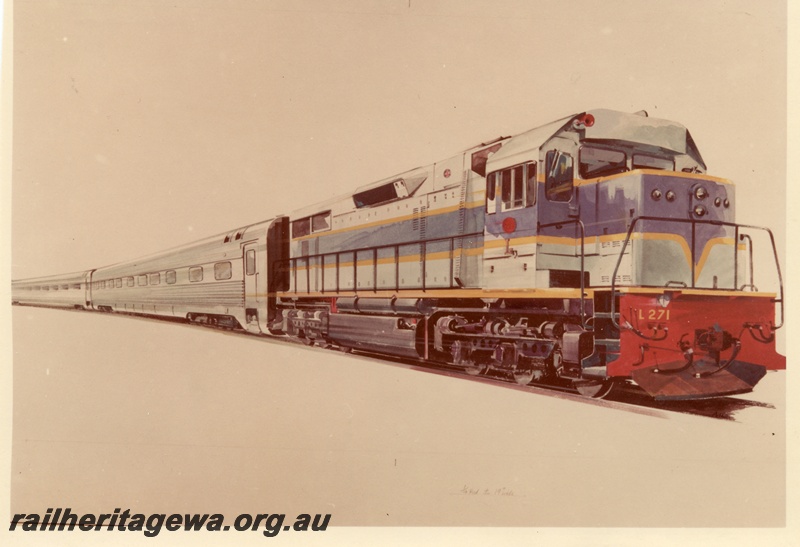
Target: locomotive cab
(563, 198)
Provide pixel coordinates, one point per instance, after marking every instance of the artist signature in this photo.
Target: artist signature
(471, 491)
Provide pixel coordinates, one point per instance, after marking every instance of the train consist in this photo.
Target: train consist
(586, 253)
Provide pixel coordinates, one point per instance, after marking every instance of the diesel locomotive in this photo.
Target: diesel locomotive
(586, 253)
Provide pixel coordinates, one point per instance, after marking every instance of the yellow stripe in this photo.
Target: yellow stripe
(481, 202)
(710, 244)
(553, 240)
(445, 293)
(693, 292)
(428, 213)
(513, 293)
(495, 243)
(677, 174)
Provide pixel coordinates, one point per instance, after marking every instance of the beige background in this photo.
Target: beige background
(143, 125)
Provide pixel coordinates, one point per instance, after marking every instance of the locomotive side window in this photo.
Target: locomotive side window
(155, 278)
(222, 271)
(250, 262)
(171, 277)
(382, 194)
(491, 192)
(142, 280)
(317, 223)
(600, 162)
(301, 227)
(644, 161)
(530, 185)
(321, 222)
(517, 187)
(196, 274)
(559, 182)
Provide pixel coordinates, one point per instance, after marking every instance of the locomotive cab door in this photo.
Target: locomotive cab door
(509, 259)
(559, 236)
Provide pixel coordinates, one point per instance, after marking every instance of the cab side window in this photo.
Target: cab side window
(558, 185)
(517, 186)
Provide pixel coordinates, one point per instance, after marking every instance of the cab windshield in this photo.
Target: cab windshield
(600, 162)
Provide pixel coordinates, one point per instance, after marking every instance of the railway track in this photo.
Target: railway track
(625, 397)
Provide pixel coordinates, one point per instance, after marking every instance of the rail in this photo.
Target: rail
(736, 239)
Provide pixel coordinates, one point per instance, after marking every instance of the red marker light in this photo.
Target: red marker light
(582, 122)
(509, 225)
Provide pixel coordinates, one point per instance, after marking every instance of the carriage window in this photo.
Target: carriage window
(559, 181)
(643, 161)
(64, 287)
(129, 281)
(142, 280)
(76, 285)
(171, 277)
(250, 262)
(196, 274)
(222, 271)
(155, 278)
(601, 162)
(118, 282)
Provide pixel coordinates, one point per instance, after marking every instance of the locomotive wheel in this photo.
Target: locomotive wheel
(523, 376)
(475, 369)
(596, 389)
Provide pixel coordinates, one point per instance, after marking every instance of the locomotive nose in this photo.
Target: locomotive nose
(704, 372)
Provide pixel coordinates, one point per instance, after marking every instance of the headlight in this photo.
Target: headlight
(656, 194)
(670, 195)
(700, 193)
(700, 211)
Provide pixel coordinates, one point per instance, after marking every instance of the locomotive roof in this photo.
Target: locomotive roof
(609, 125)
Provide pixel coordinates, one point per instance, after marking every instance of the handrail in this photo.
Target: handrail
(694, 223)
(752, 285)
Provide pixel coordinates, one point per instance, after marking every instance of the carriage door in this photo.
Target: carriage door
(251, 295)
